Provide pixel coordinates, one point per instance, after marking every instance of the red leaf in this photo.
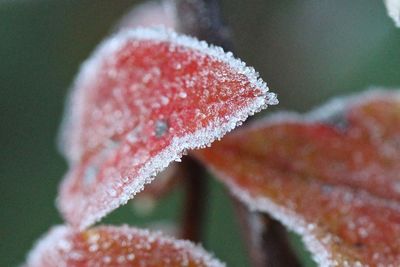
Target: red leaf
(337, 186)
(115, 246)
(142, 100)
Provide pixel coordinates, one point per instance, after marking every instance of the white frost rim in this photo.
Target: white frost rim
(179, 145)
(291, 220)
(56, 238)
(159, 34)
(325, 112)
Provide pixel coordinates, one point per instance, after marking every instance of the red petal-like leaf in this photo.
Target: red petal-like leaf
(115, 246)
(143, 99)
(333, 179)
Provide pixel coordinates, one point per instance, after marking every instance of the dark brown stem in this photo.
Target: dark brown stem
(266, 239)
(203, 19)
(195, 184)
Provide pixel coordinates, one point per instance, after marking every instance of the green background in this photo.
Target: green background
(307, 51)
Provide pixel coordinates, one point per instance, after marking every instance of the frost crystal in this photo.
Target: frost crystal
(115, 246)
(144, 98)
(336, 186)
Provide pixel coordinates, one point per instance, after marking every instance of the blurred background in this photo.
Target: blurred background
(307, 51)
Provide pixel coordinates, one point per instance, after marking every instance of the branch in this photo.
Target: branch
(266, 239)
(195, 184)
(203, 19)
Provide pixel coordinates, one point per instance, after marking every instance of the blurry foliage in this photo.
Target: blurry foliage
(307, 51)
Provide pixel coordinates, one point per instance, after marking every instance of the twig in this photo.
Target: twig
(195, 185)
(266, 239)
(203, 19)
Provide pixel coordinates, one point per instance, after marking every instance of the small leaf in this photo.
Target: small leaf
(393, 9)
(115, 246)
(143, 99)
(335, 181)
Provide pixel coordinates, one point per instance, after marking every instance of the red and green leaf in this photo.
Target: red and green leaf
(116, 246)
(142, 100)
(334, 179)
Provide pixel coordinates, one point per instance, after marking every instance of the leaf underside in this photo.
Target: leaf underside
(336, 184)
(115, 246)
(143, 99)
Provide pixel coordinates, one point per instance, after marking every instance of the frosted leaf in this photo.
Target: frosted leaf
(121, 131)
(116, 246)
(393, 9)
(335, 186)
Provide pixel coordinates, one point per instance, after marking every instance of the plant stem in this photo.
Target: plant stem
(195, 185)
(203, 19)
(265, 238)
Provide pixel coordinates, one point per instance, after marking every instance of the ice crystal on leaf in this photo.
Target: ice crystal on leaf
(115, 246)
(143, 98)
(393, 9)
(337, 186)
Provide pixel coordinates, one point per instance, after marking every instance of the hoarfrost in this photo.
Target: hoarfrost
(292, 221)
(132, 112)
(115, 246)
(336, 186)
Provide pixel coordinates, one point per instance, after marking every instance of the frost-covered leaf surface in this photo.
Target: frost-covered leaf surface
(393, 9)
(115, 246)
(333, 178)
(143, 98)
